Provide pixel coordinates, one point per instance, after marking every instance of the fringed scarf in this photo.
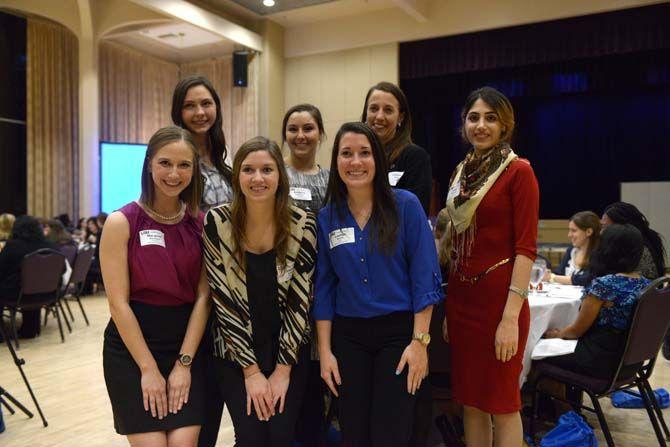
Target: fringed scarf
(469, 183)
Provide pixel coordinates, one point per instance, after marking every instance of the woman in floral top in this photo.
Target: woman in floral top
(607, 306)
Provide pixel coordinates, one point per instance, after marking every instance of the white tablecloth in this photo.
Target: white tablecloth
(556, 308)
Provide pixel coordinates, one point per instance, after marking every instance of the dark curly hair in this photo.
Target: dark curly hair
(626, 213)
(27, 228)
(619, 251)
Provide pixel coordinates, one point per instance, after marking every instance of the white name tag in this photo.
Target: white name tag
(297, 193)
(152, 237)
(394, 177)
(455, 190)
(341, 236)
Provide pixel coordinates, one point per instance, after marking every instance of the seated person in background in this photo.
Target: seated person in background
(56, 233)
(6, 224)
(92, 230)
(66, 221)
(27, 236)
(583, 232)
(607, 306)
(652, 263)
(94, 277)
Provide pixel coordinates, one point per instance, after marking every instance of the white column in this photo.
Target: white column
(89, 115)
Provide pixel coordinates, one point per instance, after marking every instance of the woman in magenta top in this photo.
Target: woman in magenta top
(151, 259)
(493, 203)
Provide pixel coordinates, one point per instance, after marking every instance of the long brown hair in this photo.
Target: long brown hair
(192, 193)
(586, 220)
(443, 237)
(217, 139)
(384, 217)
(403, 134)
(282, 212)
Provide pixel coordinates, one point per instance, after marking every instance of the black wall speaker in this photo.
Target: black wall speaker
(240, 68)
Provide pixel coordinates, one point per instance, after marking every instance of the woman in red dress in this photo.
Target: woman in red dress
(493, 205)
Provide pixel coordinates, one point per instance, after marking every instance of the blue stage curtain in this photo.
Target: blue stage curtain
(585, 123)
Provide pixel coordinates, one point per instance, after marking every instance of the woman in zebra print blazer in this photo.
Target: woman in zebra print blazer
(260, 252)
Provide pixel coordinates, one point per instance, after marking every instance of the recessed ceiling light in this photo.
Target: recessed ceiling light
(269, 3)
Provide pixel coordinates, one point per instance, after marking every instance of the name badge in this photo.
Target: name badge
(455, 190)
(152, 237)
(341, 236)
(297, 193)
(394, 177)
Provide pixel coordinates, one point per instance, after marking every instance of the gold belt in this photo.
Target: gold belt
(474, 279)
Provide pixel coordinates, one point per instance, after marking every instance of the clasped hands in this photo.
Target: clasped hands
(162, 397)
(265, 393)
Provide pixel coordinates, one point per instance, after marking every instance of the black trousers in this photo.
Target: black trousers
(214, 402)
(375, 408)
(249, 431)
(311, 425)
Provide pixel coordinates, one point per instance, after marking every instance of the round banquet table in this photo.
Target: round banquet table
(555, 307)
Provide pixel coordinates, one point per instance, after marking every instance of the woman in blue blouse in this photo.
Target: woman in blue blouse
(377, 281)
(607, 307)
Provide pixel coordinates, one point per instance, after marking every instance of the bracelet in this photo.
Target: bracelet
(522, 293)
(252, 374)
(552, 277)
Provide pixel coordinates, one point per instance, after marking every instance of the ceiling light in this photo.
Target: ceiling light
(269, 3)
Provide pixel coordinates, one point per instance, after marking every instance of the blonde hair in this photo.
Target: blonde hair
(6, 224)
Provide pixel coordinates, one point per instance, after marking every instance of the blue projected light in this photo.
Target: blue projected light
(120, 174)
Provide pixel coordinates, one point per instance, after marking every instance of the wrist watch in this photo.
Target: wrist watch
(185, 359)
(422, 337)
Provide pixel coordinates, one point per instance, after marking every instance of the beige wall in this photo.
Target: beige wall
(337, 83)
(271, 79)
(445, 17)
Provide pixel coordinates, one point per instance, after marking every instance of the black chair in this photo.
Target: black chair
(74, 288)
(41, 273)
(69, 251)
(650, 323)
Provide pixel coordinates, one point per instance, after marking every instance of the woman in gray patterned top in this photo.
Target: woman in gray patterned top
(302, 131)
(196, 107)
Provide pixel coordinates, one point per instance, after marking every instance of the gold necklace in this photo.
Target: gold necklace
(179, 214)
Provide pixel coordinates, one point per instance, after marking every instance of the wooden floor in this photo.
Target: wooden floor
(67, 379)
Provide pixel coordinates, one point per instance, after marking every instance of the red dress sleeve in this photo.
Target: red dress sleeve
(526, 206)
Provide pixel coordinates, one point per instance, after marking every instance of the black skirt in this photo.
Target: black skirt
(163, 328)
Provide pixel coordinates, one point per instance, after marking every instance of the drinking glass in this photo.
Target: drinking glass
(537, 273)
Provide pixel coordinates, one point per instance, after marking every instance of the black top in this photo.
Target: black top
(10, 263)
(579, 278)
(414, 162)
(264, 307)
